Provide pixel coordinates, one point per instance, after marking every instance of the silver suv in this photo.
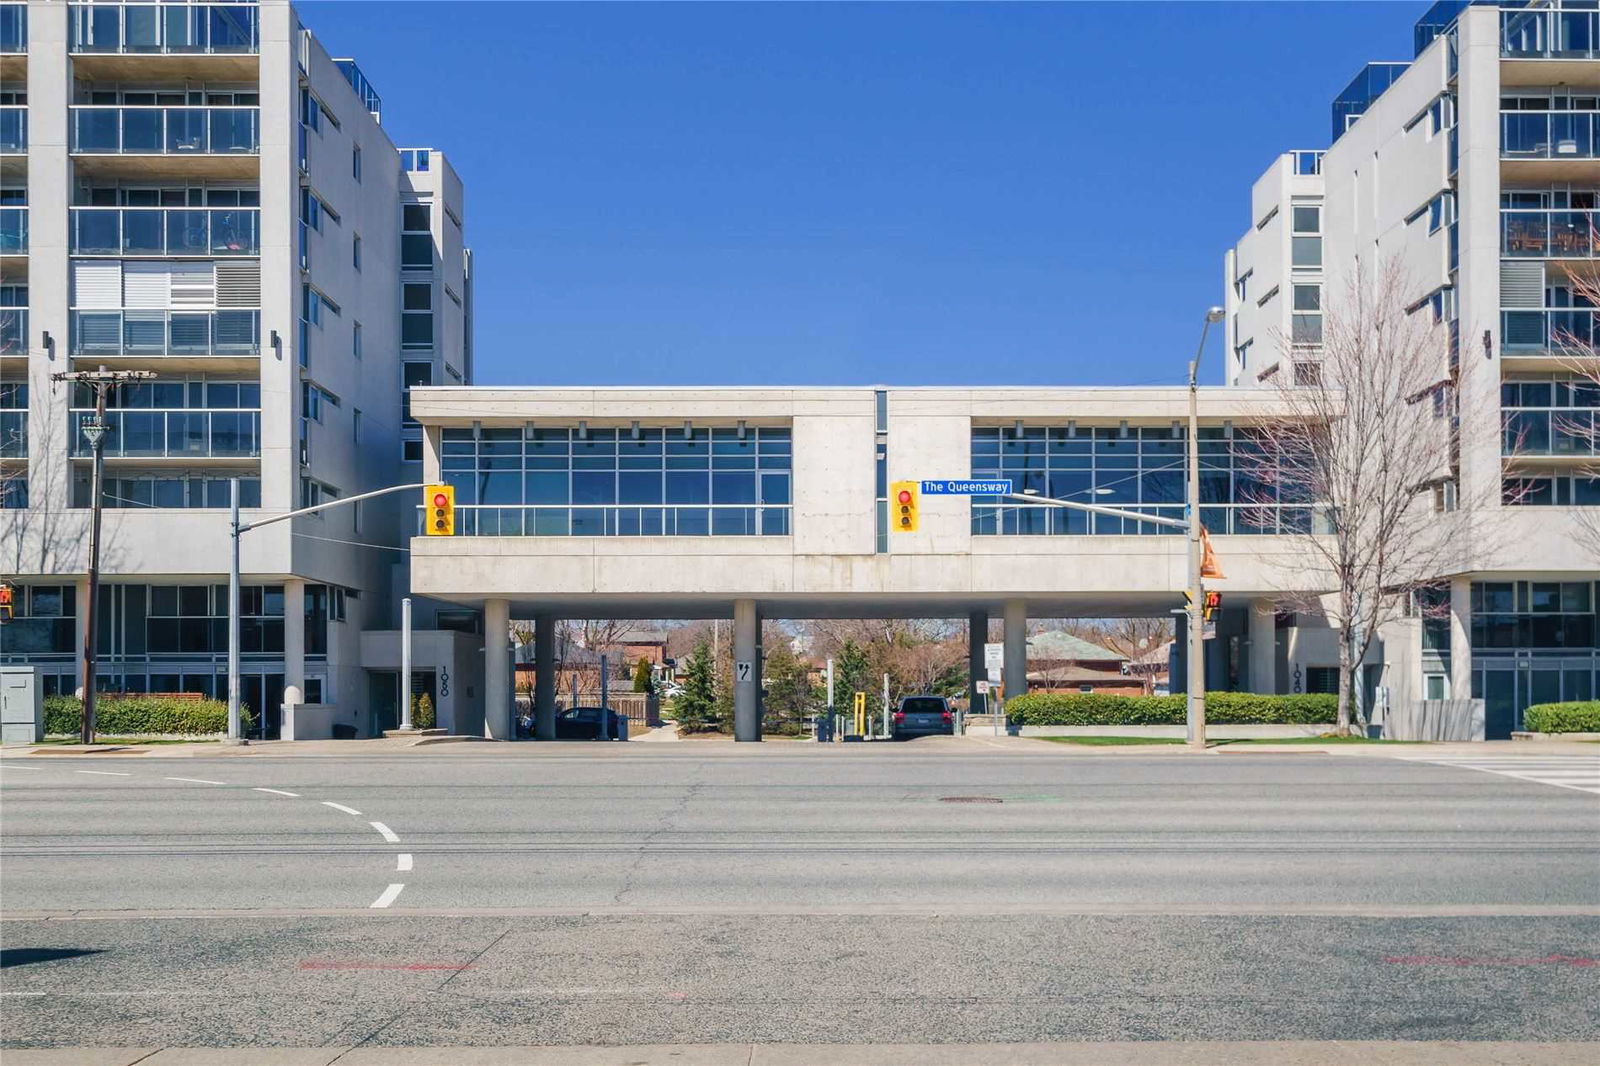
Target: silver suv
(921, 716)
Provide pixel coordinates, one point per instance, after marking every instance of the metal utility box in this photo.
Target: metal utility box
(21, 706)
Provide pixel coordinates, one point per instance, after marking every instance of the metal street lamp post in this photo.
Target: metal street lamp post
(236, 529)
(94, 429)
(1195, 703)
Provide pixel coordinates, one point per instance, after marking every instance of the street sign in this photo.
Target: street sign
(994, 657)
(954, 487)
(741, 671)
(982, 688)
(994, 675)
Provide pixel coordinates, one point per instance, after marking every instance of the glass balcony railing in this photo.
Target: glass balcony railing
(166, 130)
(180, 434)
(1549, 234)
(1307, 162)
(208, 231)
(620, 520)
(1550, 32)
(1549, 432)
(13, 331)
(187, 29)
(13, 434)
(13, 28)
(156, 332)
(13, 129)
(1549, 134)
(13, 230)
(1539, 331)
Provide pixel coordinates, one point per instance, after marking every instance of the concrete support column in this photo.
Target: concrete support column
(1461, 638)
(294, 643)
(544, 678)
(497, 669)
(746, 654)
(1263, 646)
(1016, 648)
(977, 636)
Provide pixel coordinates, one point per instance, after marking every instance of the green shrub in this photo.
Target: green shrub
(1583, 717)
(422, 716)
(127, 716)
(1222, 708)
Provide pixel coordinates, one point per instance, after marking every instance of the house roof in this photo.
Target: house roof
(1057, 645)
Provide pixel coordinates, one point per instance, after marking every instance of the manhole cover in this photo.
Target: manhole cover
(970, 799)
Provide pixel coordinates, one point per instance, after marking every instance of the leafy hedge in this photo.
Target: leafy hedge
(1581, 717)
(1222, 708)
(128, 716)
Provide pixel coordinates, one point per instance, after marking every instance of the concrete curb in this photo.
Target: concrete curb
(1126, 1053)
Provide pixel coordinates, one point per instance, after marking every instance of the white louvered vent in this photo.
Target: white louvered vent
(1521, 284)
(194, 286)
(239, 283)
(146, 286)
(96, 284)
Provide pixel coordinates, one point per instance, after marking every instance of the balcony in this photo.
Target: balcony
(13, 231)
(1542, 332)
(13, 434)
(132, 333)
(1549, 32)
(1554, 433)
(13, 331)
(217, 40)
(166, 231)
(1548, 134)
(1549, 234)
(13, 29)
(174, 434)
(1307, 162)
(13, 129)
(209, 141)
(620, 520)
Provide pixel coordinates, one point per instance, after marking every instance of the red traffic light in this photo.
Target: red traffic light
(905, 496)
(440, 499)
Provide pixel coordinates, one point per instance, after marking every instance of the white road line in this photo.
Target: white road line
(14, 766)
(402, 862)
(1580, 773)
(196, 780)
(340, 807)
(390, 894)
(388, 834)
(279, 792)
(104, 773)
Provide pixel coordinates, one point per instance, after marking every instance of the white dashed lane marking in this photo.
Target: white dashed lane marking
(388, 834)
(340, 807)
(104, 773)
(390, 894)
(1578, 772)
(279, 792)
(196, 781)
(402, 862)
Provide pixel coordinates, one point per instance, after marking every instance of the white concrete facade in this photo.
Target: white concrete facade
(1466, 176)
(308, 175)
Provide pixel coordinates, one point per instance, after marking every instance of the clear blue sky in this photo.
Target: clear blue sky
(844, 194)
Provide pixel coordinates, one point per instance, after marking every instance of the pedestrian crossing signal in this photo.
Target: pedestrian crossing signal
(903, 505)
(439, 504)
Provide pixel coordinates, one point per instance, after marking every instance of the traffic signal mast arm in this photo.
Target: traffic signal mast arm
(1095, 508)
(340, 502)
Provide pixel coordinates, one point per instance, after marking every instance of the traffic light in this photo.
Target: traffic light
(439, 501)
(1209, 606)
(903, 506)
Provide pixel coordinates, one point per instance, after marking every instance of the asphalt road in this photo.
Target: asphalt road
(702, 893)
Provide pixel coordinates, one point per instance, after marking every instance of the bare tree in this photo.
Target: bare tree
(1574, 422)
(1359, 463)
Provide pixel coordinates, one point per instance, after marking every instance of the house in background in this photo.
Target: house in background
(1061, 662)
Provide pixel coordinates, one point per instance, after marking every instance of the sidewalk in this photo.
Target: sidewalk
(1140, 1053)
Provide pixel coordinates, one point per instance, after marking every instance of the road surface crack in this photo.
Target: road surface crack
(668, 823)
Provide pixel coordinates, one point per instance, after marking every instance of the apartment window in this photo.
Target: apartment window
(355, 252)
(1308, 375)
(1305, 239)
(416, 237)
(355, 515)
(312, 400)
(413, 374)
(411, 451)
(1241, 286)
(1441, 211)
(416, 318)
(355, 340)
(311, 209)
(355, 162)
(1306, 316)
(355, 424)
(1553, 490)
(314, 492)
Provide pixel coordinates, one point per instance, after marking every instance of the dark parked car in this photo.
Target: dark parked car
(589, 723)
(921, 716)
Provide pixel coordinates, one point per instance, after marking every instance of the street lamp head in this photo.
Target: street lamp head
(1215, 314)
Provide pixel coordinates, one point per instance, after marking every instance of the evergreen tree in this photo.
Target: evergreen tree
(695, 707)
(642, 681)
(791, 695)
(852, 672)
